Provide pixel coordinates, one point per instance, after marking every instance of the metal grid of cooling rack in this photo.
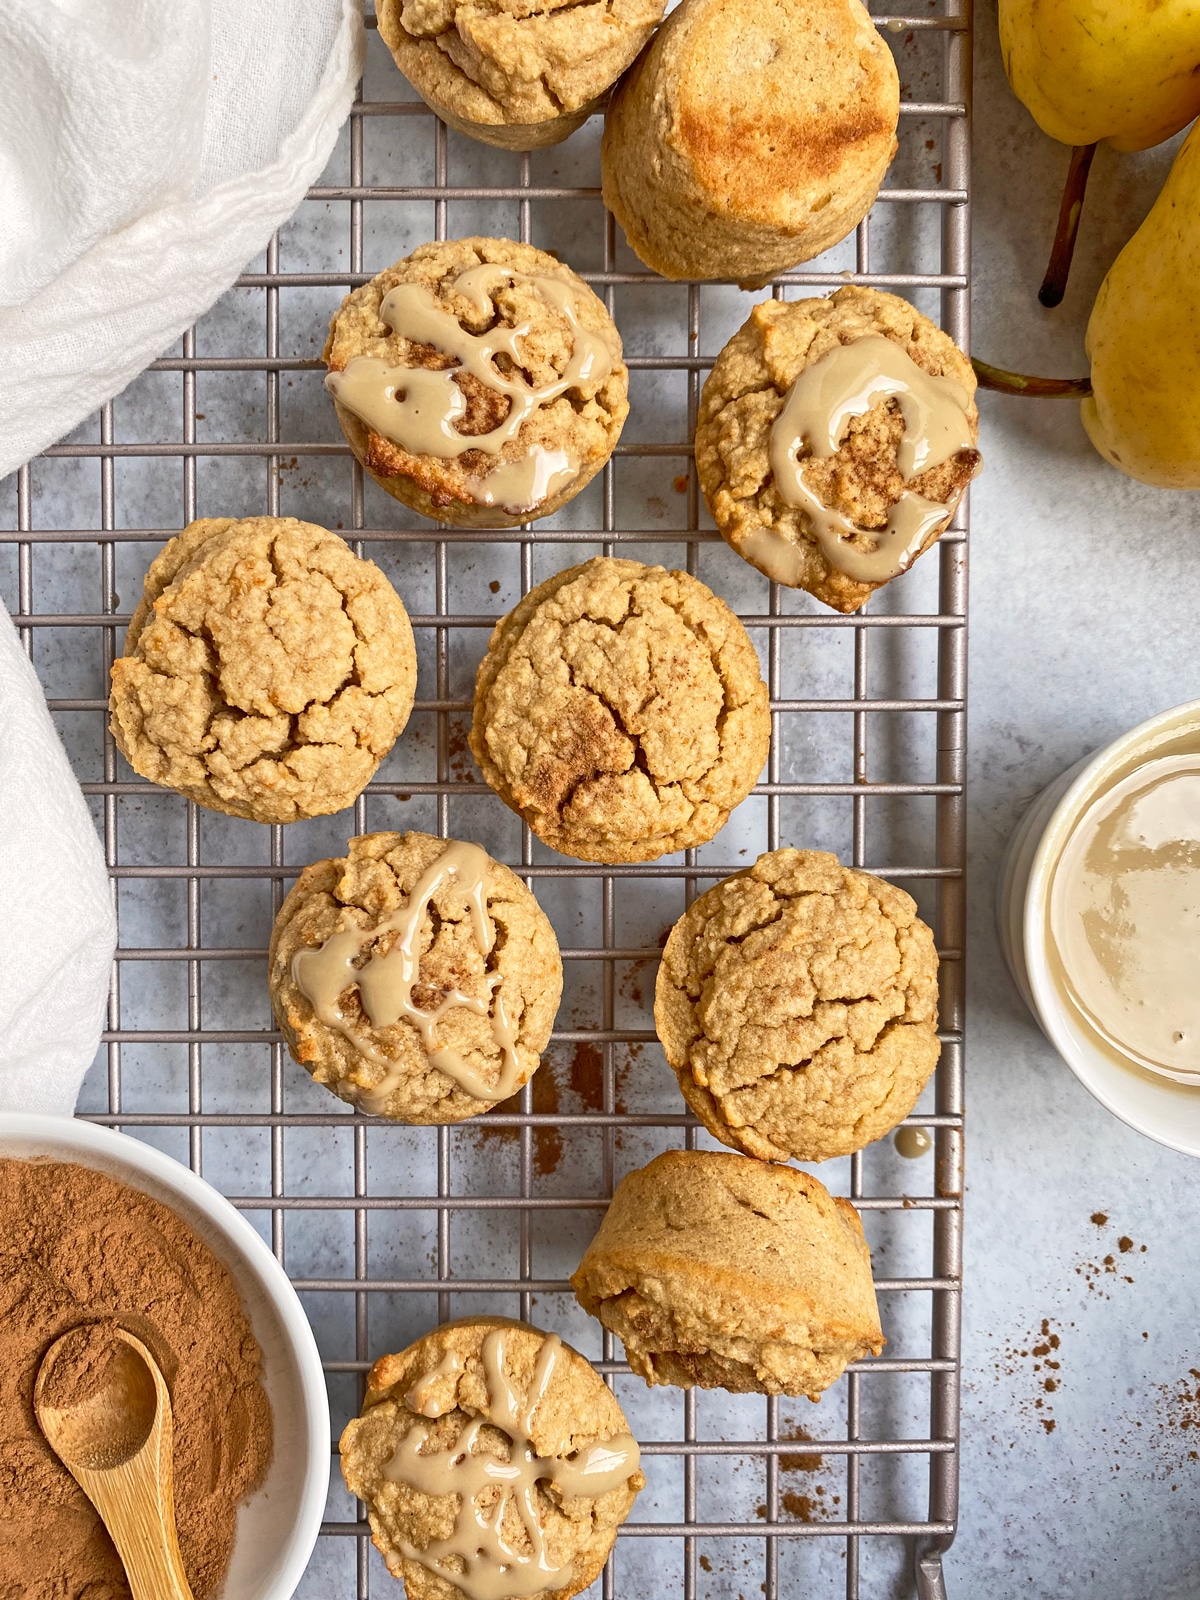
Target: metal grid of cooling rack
(693, 1450)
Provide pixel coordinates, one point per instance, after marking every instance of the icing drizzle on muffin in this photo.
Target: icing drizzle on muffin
(420, 409)
(492, 1568)
(386, 981)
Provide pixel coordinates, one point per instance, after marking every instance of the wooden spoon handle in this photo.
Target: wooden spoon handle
(140, 1518)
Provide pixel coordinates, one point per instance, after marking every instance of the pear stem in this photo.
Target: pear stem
(1039, 388)
(1054, 284)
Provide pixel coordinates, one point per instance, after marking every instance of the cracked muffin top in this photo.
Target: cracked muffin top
(493, 1460)
(267, 670)
(620, 709)
(518, 73)
(861, 481)
(462, 1025)
(478, 339)
(797, 1004)
(724, 1272)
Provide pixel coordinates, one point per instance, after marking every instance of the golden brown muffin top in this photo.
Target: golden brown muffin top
(795, 94)
(745, 394)
(797, 1004)
(725, 1272)
(515, 61)
(582, 424)
(620, 709)
(490, 1386)
(267, 670)
(390, 1069)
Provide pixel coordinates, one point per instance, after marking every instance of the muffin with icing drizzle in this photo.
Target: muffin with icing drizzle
(726, 1273)
(267, 670)
(479, 381)
(415, 977)
(835, 440)
(797, 1005)
(620, 709)
(494, 1461)
(521, 74)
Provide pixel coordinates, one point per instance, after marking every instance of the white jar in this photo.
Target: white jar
(1153, 1102)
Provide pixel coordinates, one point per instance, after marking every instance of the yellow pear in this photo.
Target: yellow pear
(1123, 70)
(1143, 340)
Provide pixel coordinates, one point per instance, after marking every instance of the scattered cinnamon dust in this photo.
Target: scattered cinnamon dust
(578, 1079)
(78, 1248)
(1042, 1352)
(1095, 1273)
(814, 1502)
(461, 761)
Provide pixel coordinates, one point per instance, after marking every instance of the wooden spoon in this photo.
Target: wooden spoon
(104, 1408)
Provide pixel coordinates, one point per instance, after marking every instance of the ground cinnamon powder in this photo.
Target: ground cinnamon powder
(78, 1247)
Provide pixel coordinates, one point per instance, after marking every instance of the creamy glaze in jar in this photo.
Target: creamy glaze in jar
(1125, 916)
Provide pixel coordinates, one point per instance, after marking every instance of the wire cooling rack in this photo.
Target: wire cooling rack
(386, 1230)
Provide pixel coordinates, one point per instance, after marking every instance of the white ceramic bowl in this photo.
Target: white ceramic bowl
(278, 1526)
(1164, 1110)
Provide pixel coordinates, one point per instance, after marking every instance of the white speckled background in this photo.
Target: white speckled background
(1084, 590)
(1082, 584)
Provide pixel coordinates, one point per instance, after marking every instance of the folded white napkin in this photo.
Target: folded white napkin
(148, 151)
(57, 928)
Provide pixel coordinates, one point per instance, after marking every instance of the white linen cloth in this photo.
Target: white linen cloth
(57, 928)
(148, 151)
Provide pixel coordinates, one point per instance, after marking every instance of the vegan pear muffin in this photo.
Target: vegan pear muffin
(797, 1004)
(415, 977)
(620, 709)
(835, 439)
(516, 73)
(267, 670)
(722, 1272)
(479, 381)
(493, 1460)
(750, 135)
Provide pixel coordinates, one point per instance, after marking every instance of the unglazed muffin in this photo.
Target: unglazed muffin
(516, 73)
(797, 1005)
(750, 135)
(415, 977)
(267, 670)
(836, 522)
(620, 709)
(718, 1271)
(426, 1456)
(479, 381)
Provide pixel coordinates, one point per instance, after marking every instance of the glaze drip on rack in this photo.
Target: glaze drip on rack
(845, 383)
(492, 1567)
(385, 982)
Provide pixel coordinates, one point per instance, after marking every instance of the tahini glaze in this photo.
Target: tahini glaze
(842, 384)
(385, 982)
(492, 1568)
(1125, 915)
(419, 409)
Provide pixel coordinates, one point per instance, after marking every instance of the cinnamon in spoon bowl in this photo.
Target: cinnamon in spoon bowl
(104, 1408)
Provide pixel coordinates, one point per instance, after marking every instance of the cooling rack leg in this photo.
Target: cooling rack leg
(931, 1580)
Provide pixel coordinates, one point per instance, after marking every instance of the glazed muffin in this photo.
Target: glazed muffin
(620, 709)
(479, 381)
(415, 977)
(803, 482)
(750, 135)
(267, 670)
(718, 1271)
(516, 73)
(425, 1455)
(797, 1004)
